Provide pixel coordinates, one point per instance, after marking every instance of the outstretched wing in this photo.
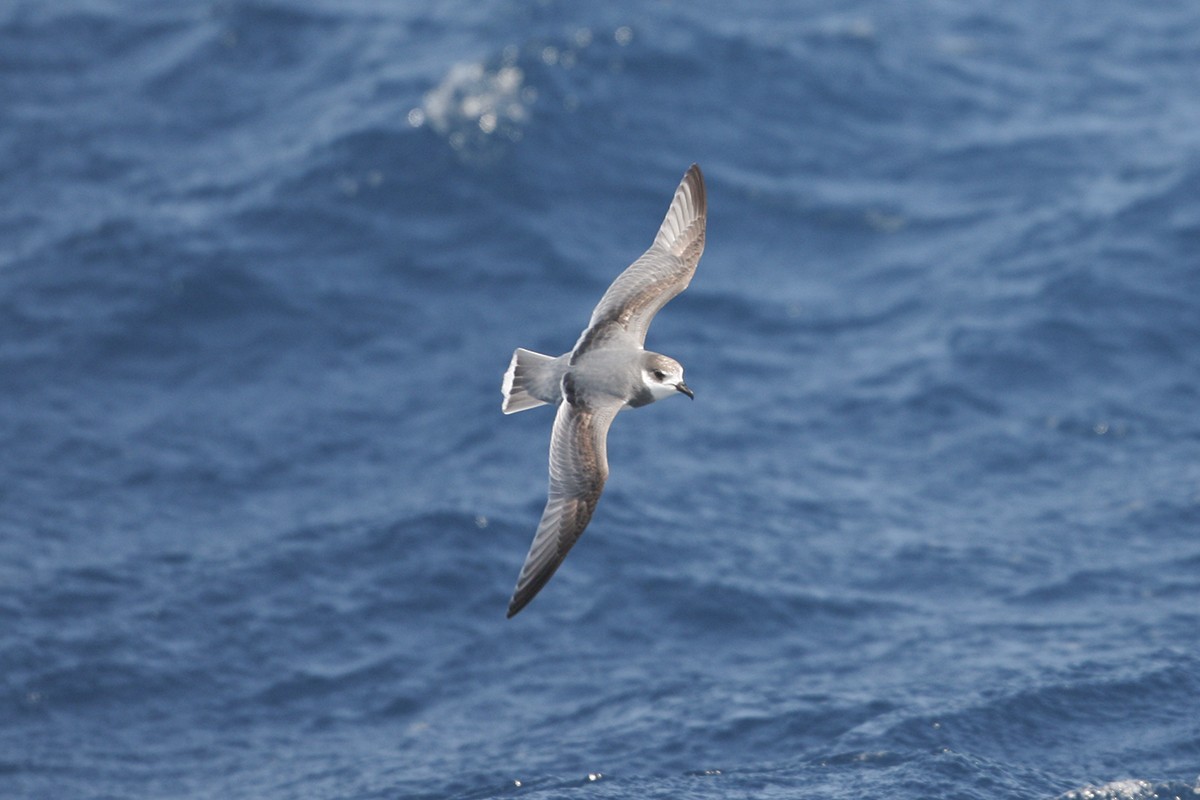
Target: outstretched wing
(662, 272)
(578, 469)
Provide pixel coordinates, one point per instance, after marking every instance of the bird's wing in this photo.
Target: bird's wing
(578, 469)
(659, 274)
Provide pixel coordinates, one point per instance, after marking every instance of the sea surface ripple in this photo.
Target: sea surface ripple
(928, 530)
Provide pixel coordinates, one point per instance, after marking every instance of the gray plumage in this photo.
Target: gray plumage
(607, 371)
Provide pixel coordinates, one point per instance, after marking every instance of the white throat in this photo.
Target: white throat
(660, 390)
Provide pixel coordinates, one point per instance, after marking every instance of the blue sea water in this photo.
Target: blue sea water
(930, 529)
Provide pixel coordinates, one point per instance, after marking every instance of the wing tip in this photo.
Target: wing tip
(515, 606)
(694, 177)
(683, 227)
(522, 595)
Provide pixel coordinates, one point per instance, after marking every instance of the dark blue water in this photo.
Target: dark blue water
(930, 529)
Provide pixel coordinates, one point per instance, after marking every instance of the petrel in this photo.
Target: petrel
(607, 371)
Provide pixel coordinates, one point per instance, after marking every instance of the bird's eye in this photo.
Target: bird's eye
(658, 374)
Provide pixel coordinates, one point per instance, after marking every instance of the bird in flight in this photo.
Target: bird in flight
(607, 371)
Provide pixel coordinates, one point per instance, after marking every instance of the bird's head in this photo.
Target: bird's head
(663, 376)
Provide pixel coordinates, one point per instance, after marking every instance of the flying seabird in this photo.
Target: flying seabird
(607, 371)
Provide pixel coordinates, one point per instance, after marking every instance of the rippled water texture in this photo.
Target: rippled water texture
(928, 530)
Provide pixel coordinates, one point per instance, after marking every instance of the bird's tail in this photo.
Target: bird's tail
(525, 371)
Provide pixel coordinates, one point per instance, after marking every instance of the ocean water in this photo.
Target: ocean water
(931, 528)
